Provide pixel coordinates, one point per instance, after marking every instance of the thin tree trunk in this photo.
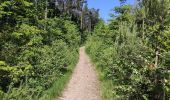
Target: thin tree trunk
(156, 58)
(35, 1)
(82, 20)
(90, 25)
(46, 10)
(157, 52)
(82, 17)
(81, 25)
(63, 6)
(143, 29)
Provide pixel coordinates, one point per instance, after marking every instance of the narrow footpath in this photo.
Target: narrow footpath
(84, 84)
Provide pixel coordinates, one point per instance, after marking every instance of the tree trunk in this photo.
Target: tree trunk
(90, 25)
(36, 8)
(81, 26)
(82, 17)
(82, 20)
(143, 29)
(46, 10)
(156, 58)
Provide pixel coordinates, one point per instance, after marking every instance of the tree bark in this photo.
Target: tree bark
(156, 58)
(143, 29)
(46, 10)
(82, 16)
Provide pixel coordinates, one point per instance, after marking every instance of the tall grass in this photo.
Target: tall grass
(106, 85)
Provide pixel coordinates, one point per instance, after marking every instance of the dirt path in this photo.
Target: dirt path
(84, 84)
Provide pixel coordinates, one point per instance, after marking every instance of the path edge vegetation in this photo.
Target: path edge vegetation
(105, 85)
(59, 85)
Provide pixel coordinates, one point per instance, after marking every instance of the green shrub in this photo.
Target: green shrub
(126, 62)
(37, 57)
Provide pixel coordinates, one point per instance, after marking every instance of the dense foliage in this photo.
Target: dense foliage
(40, 41)
(39, 44)
(133, 52)
(38, 55)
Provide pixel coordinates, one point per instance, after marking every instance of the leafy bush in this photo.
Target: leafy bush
(124, 59)
(36, 57)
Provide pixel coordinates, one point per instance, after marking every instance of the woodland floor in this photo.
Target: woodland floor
(84, 84)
